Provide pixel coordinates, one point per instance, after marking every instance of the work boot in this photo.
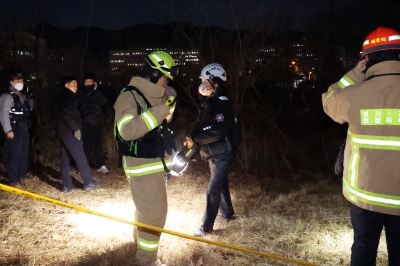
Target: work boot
(221, 219)
(158, 263)
(201, 232)
(149, 263)
(91, 186)
(67, 189)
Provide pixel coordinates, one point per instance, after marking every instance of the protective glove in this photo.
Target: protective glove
(188, 142)
(77, 135)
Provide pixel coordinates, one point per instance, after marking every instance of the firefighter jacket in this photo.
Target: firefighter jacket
(132, 126)
(69, 117)
(14, 109)
(90, 102)
(214, 131)
(371, 106)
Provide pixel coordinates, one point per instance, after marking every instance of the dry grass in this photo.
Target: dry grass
(297, 216)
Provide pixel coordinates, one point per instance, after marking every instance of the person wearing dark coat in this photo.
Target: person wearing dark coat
(91, 99)
(214, 136)
(69, 130)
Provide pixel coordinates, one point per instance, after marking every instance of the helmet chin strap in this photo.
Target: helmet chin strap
(215, 89)
(154, 79)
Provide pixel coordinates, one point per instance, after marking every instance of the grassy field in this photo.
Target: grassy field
(300, 216)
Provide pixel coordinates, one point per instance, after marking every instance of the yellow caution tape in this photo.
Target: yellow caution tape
(153, 228)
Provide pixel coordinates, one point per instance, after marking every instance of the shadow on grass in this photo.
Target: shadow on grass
(120, 256)
(51, 176)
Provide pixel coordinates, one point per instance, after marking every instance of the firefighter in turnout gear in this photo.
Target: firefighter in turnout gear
(215, 136)
(14, 118)
(140, 113)
(368, 99)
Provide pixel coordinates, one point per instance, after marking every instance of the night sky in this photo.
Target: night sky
(116, 14)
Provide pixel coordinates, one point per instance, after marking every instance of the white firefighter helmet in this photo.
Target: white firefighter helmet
(206, 90)
(213, 70)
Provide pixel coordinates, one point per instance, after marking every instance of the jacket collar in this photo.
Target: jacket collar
(153, 92)
(12, 89)
(384, 68)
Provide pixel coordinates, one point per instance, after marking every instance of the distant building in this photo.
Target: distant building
(296, 53)
(19, 48)
(122, 59)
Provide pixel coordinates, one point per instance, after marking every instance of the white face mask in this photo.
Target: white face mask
(19, 86)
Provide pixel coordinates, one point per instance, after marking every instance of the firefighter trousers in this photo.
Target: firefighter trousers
(150, 198)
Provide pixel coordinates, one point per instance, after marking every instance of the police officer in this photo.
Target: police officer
(214, 134)
(14, 118)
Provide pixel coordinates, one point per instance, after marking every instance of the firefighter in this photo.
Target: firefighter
(14, 118)
(214, 136)
(140, 112)
(368, 99)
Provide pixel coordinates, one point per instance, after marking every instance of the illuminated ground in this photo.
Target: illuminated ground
(302, 217)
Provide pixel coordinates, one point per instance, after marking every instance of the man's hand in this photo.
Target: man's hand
(94, 85)
(362, 64)
(10, 135)
(77, 135)
(188, 142)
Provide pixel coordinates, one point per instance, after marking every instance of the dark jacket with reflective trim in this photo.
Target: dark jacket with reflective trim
(371, 178)
(214, 132)
(69, 117)
(12, 111)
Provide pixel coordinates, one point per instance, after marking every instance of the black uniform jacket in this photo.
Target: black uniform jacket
(214, 131)
(69, 118)
(90, 102)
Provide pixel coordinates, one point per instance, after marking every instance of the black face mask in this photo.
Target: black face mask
(88, 88)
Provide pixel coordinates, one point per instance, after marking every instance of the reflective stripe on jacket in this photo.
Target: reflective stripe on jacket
(132, 126)
(371, 177)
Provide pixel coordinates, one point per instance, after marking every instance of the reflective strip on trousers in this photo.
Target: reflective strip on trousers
(358, 142)
(124, 120)
(145, 169)
(147, 245)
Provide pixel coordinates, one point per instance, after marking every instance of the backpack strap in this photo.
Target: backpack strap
(380, 75)
(138, 92)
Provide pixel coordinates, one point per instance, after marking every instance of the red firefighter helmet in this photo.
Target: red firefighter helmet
(381, 39)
